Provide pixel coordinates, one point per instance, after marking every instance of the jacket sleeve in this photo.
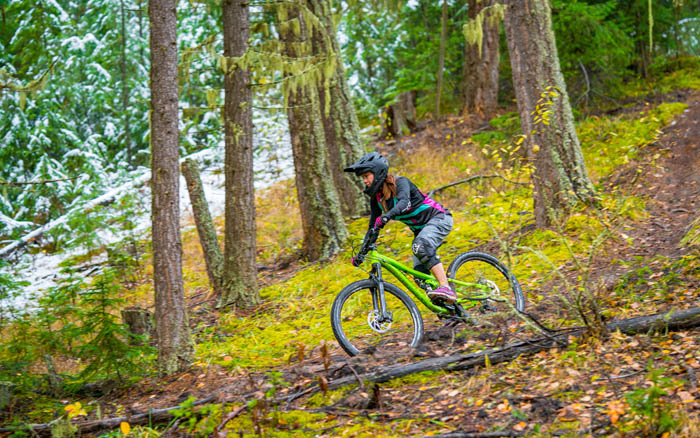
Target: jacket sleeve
(403, 198)
(375, 212)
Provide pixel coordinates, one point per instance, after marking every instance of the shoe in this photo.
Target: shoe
(443, 292)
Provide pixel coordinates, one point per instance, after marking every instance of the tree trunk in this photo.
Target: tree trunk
(340, 125)
(560, 176)
(240, 286)
(213, 258)
(480, 77)
(139, 321)
(175, 347)
(441, 59)
(125, 88)
(400, 116)
(322, 219)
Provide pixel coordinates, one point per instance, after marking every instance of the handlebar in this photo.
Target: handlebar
(367, 245)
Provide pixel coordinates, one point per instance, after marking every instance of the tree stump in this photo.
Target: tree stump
(400, 116)
(140, 322)
(5, 393)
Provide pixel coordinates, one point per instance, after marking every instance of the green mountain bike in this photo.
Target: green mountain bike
(374, 314)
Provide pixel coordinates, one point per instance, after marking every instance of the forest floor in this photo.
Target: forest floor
(592, 388)
(612, 386)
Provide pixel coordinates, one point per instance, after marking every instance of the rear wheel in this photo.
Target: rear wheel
(492, 292)
(359, 326)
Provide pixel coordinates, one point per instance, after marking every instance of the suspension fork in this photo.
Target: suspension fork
(378, 298)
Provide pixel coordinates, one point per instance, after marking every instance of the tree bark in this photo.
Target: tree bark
(139, 321)
(213, 257)
(125, 87)
(175, 347)
(240, 284)
(560, 177)
(441, 59)
(400, 116)
(480, 76)
(322, 219)
(340, 125)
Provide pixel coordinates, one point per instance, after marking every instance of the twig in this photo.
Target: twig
(359, 380)
(229, 417)
(692, 379)
(472, 178)
(588, 82)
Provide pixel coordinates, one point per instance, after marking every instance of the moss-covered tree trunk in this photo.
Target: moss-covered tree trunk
(480, 77)
(560, 176)
(441, 58)
(213, 257)
(175, 347)
(322, 218)
(240, 287)
(340, 124)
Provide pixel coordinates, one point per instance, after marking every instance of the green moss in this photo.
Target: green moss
(609, 143)
(330, 397)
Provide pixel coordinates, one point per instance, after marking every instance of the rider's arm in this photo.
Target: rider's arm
(375, 212)
(403, 198)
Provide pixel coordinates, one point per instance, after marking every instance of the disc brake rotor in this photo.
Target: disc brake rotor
(373, 320)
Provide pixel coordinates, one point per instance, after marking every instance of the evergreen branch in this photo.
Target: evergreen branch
(47, 181)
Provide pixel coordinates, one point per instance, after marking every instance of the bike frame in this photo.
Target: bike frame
(397, 270)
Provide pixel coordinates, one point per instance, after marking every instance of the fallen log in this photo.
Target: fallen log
(150, 417)
(671, 320)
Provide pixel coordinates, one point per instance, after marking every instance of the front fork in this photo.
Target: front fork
(378, 298)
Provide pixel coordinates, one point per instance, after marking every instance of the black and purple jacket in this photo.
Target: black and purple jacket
(410, 206)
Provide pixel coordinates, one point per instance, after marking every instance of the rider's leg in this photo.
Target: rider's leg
(425, 251)
(439, 273)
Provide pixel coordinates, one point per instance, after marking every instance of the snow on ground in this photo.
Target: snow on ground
(273, 162)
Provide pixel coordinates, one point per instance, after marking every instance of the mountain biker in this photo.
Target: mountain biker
(396, 197)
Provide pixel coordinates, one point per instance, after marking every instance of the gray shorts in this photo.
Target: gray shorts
(427, 241)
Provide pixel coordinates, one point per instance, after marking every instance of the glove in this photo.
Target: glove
(357, 261)
(380, 222)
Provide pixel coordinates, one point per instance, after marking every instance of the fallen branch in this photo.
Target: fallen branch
(672, 320)
(472, 178)
(28, 183)
(229, 417)
(108, 197)
(152, 416)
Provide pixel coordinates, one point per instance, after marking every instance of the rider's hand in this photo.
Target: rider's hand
(380, 222)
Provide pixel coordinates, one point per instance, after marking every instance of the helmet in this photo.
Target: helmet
(373, 162)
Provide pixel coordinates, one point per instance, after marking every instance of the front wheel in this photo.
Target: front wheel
(360, 326)
(485, 285)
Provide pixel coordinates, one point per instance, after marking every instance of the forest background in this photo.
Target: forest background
(76, 129)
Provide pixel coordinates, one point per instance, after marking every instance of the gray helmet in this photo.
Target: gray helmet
(373, 162)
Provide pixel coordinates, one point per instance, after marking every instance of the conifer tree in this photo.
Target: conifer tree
(560, 176)
(175, 347)
(322, 219)
(240, 272)
(340, 124)
(481, 55)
